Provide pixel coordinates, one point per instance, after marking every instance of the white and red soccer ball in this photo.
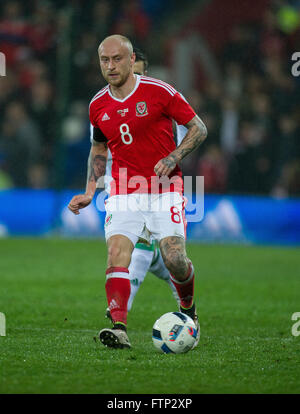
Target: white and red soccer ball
(174, 332)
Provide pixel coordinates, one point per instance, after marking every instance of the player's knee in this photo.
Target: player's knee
(118, 257)
(113, 252)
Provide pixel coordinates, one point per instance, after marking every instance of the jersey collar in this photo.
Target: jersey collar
(137, 82)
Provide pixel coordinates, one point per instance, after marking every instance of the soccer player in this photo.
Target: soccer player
(145, 257)
(132, 116)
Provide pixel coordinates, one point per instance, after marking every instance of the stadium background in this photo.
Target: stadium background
(232, 61)
(236, 73)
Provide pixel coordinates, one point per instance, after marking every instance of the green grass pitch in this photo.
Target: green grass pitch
(52, 294)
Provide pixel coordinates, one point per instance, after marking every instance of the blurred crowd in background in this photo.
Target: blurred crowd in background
(252, 113)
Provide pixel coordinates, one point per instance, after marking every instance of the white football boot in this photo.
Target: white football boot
(114, 338)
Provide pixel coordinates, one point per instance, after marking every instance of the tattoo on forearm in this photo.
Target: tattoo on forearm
(169, 161)
(97, 161)
(196, 134)
(96, 167)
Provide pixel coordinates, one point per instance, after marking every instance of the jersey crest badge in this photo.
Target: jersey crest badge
(108, 220)
(141, 109)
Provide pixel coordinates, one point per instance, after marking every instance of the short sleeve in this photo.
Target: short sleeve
(179, 109)
(95, 132)
(91, 114)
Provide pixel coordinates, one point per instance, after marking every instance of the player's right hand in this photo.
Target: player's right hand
(78, 202)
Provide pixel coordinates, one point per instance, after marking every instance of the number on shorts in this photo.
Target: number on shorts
(175, 215)
(124, 129)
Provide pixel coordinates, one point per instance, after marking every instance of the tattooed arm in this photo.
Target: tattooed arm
(196, 134)
(96, 169)
(96, 166)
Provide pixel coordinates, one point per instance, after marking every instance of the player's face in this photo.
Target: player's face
(116, 62)
(139, 68)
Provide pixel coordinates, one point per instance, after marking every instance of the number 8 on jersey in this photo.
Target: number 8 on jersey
(124, 129)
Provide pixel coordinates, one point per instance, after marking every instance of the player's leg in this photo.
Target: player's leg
(117, 277)
(159, 269)
(122, 230)
(117, 289)
(180, 268)
(182, 275)
(168, 225)
(141, 259)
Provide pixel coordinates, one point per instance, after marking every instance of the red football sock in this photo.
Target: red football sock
(117, 288)
(185, 288)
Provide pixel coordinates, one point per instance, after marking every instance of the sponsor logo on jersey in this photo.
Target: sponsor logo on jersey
(105, 117)
(141, 109)
(122, 112)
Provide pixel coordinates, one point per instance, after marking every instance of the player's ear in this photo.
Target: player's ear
(133, 58)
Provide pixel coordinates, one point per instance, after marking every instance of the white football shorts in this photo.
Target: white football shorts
(145, 216)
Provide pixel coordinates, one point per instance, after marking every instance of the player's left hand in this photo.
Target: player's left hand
(165, 166)
(78, 202)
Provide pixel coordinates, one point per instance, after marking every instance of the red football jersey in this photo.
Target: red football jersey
(139, 132)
